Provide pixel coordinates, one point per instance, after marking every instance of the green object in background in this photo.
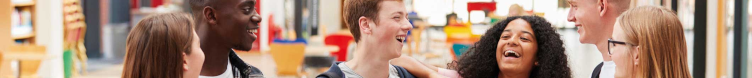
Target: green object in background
(68, 63)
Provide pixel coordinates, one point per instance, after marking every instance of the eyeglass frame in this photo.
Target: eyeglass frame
(614, 42)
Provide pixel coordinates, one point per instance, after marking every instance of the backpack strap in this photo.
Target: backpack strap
(597, 71)
(333, 72)
(403, 73)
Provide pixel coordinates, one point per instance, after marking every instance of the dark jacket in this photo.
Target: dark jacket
(242, 70)
(335, 72)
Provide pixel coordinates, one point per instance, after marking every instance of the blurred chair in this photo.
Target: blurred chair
(29, 58)
(288, 57)
(459, 49)
(342, 41)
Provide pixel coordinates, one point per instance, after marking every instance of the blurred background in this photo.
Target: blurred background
(300, 38)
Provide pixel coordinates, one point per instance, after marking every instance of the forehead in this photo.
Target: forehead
(519, 25)
(618, 32)
(391, 6)
(580, 1)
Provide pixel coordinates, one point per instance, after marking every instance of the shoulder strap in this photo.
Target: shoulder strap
(333, 72)
(403, 73)
(597, 71)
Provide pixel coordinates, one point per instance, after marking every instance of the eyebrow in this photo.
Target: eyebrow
(399, 12)
(253, 3)
(570, 2)
(527, 32)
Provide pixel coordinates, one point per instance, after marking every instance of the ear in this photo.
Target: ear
(636, 53)
(209, 15)
(365, 25)
(185, 62)
(603, 7)
(536, 63)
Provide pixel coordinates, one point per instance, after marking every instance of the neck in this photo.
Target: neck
(216, 54)
(602, 46)
(515, 75)
(369, 64)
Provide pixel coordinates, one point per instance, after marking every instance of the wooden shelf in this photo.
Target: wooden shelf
(24, 4)
(25, 36)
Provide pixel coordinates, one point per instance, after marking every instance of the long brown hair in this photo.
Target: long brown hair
(155, 45)
(660, 37)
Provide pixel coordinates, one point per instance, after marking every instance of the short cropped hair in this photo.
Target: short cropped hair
(354, 9)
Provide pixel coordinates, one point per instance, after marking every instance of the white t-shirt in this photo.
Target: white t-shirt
(349, 73)
(226, 74)
(608, 69)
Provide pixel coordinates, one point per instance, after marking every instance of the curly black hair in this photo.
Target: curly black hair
(478, 61)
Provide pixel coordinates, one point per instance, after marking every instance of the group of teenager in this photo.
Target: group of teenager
(640, 42)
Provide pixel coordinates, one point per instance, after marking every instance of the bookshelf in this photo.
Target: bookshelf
(22, 21)
(17, 39)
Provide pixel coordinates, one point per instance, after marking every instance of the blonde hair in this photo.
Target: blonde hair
(660, 37)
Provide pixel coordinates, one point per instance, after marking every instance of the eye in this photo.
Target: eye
(247, 9)
(524, 39)
(505, 36)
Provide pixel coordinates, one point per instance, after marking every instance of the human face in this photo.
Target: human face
(391, 28)
(622, 54)
(586, 16)
(195, 60)
(517, 48)
(238, 22)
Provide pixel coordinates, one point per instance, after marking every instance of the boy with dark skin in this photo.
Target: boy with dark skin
(224, 25)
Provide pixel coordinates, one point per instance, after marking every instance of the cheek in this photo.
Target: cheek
(530, 48)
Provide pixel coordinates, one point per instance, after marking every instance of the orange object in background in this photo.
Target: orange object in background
(342, 41)
(288, 57)
(460, 34)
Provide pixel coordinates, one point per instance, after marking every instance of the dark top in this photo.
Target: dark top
(242, 70)
(335, 72)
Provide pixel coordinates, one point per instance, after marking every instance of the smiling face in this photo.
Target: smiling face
(622, 54)
(237, 22)
(588, 20)
(389, 32)
(517, 48)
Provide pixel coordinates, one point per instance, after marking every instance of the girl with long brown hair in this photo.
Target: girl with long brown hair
(163, 46)
(648, 42)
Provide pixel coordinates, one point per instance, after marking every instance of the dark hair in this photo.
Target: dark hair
(478, 61)
(449, 16)
(155, 45)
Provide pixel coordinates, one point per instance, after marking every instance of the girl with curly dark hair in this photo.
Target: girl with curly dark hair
(518, 47)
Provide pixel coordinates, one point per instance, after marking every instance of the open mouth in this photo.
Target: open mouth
(400, 39)
(252, 31)
(510, 53)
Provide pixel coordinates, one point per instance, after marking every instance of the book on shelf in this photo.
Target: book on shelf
(21, 22)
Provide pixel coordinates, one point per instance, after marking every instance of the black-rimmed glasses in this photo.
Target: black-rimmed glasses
(612, 43)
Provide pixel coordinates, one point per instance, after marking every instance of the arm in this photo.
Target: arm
(417, 68)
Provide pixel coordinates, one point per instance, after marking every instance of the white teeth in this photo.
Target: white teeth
(401, 39)
(511, 53)
(253, 31)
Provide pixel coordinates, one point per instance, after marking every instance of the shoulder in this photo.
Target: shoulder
(333, 72)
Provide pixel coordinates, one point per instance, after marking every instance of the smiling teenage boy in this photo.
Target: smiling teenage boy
(379, 28)
(224, 25)
(595, 20)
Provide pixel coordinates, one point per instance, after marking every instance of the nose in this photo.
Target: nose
(255, 18)
(407, 26)
(514, 42)
(570, 16)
